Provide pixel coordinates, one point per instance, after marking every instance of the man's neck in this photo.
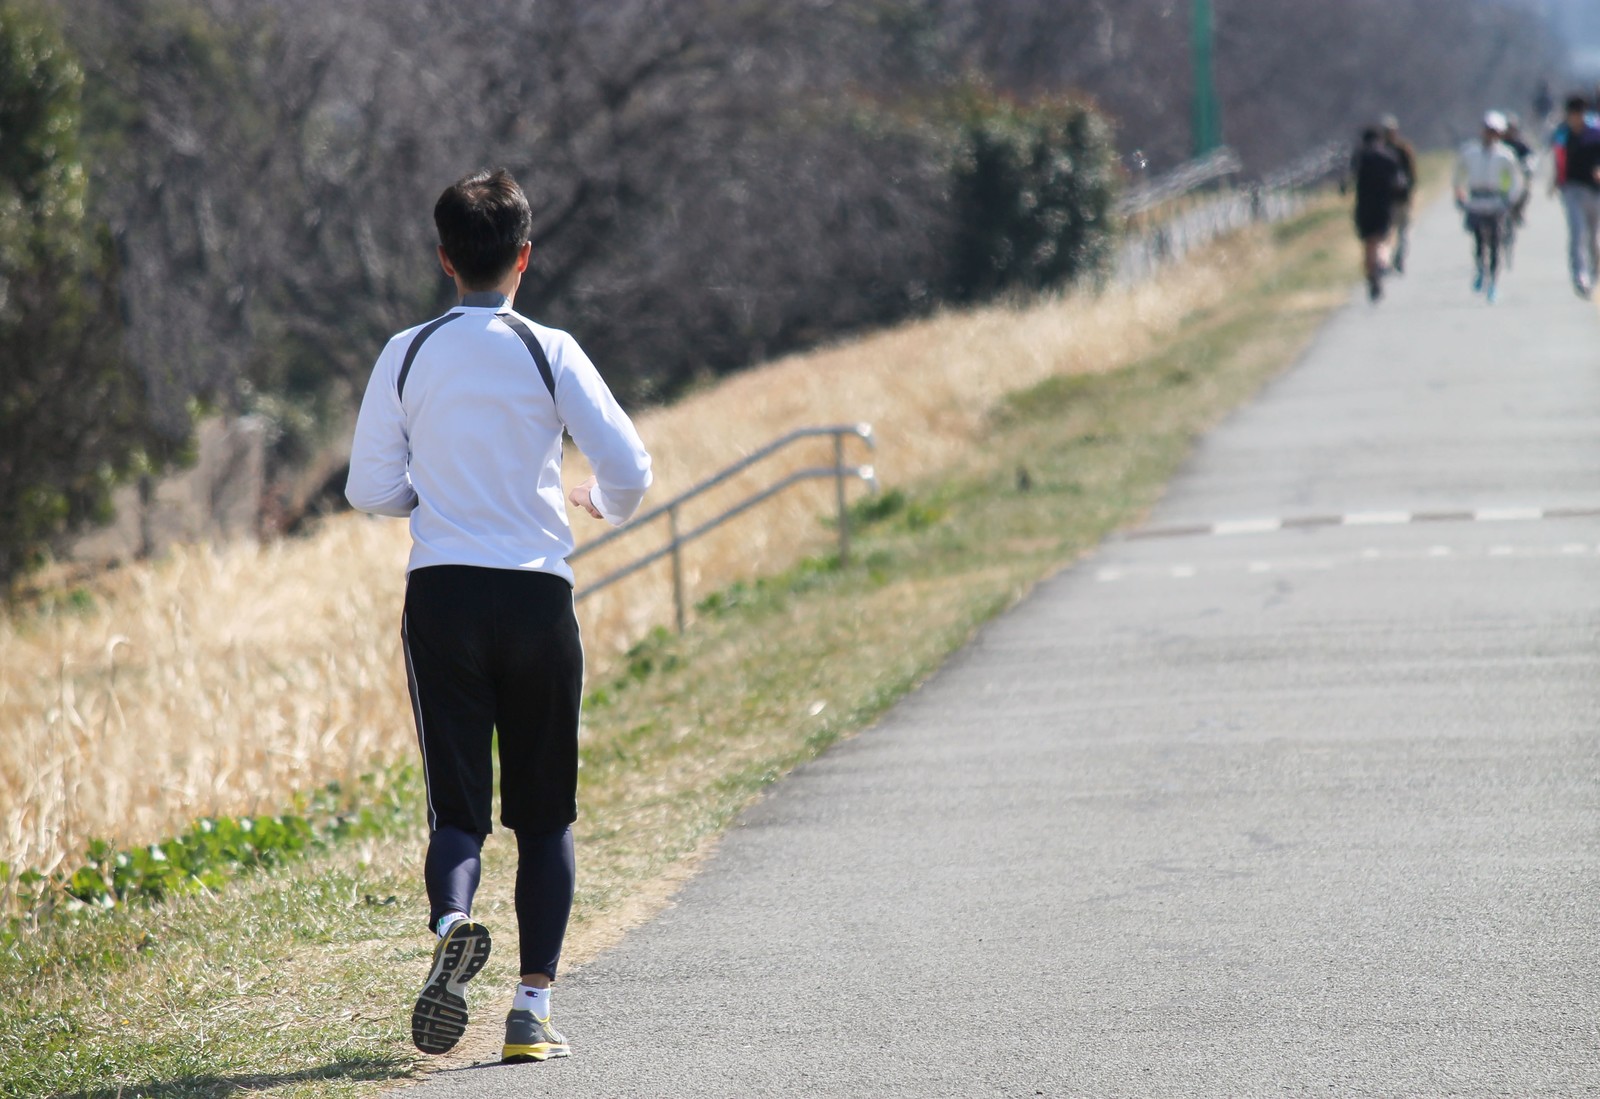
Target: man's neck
(505, 288)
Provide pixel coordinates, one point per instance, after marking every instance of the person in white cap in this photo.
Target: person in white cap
(1488, 183)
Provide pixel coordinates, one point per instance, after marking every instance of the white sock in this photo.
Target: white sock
(449, 920)
(536, 1000)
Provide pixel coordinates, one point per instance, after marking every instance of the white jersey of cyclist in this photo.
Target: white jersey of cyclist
(1490, 177)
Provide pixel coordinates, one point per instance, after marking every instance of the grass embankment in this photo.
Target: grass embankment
(297, 981)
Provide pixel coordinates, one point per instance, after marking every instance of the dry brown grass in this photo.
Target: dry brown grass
(224, 679)
(924, 387)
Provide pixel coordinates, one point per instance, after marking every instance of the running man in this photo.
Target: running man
(1577, 176)
(460, 430)
(1407, 156)
(1488, 183)
(1379, 179)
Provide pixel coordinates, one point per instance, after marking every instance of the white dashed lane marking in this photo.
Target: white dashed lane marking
(1188, 571)
(1360, 519)
(1234, 527)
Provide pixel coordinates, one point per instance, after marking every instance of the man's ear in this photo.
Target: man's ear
(444, 262)
(523, 256)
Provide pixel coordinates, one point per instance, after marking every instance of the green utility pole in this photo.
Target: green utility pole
(1207, 123)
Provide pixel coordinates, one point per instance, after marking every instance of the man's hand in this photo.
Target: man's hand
(580, 498)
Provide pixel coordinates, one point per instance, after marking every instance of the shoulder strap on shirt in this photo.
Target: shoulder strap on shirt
(532, 343)
(416, 345)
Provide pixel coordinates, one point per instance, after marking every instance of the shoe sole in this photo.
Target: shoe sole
(539, 1051)
(440, 1017)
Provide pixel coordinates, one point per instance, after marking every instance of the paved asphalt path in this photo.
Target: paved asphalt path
(1272, 810)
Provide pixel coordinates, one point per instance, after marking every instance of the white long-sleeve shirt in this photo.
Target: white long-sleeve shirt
(1488, 179)
(459, 431)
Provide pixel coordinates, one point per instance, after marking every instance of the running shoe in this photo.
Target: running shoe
(1477, 283)
(530, 1038)
(1489, 293)
(1582, 287)
(440, 1017)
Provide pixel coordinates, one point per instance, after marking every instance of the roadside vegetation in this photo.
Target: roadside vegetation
(295, 977)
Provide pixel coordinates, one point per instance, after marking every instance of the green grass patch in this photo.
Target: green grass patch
(296, 979)
(212, 852)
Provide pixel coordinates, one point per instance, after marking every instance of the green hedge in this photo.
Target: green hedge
(1033, 187)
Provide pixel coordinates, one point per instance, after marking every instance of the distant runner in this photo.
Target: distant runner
(1544, 101)
(1488, 183)
(1576, 146)
(1407, 156)
(1379, 180)
(461, 431)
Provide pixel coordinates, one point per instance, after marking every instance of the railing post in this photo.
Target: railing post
(838, 488)
(677, 567)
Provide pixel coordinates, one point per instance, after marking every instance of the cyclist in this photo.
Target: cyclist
(1488, 182)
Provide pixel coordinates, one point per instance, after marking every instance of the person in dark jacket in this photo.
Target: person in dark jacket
(1577, 175)
(1379, 178)
(1407, 156)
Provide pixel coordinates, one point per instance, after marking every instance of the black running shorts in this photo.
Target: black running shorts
(494, 650)
(1374, 220)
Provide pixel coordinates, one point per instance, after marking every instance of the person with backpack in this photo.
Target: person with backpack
(1407, 156)
(460, 431)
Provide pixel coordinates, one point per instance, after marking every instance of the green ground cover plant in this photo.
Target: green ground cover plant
(210, 853)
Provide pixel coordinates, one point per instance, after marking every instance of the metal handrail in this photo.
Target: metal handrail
(1156, 239)
(1180, 181)
(677, 539)
(1314, 166)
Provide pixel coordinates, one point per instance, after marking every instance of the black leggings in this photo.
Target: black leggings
(493, 658)
(1486, 232)
(546, 873)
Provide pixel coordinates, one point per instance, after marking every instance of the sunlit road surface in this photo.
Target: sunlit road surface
(1294, 795)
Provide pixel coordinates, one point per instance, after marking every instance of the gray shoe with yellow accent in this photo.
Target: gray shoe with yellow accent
(530, 1038)
(440, 1017)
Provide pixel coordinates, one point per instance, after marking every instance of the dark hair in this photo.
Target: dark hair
(483, 222)
(1369, 136)
(1577, 103)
